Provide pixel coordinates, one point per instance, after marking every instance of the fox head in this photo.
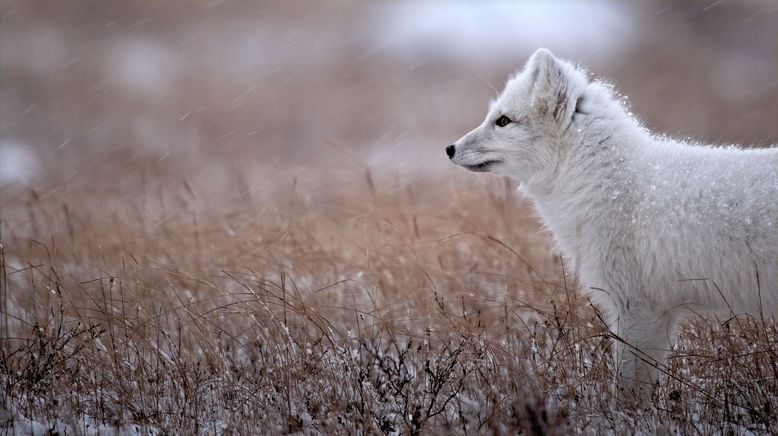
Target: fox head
(523, 133)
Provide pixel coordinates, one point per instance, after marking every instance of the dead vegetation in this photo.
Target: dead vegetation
(382, 308)
(186, 262)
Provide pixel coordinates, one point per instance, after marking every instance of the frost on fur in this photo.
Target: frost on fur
(658, 230)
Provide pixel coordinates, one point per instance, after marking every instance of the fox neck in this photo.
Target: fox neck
(595, 183)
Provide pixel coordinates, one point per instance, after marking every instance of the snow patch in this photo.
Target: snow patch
(490, 29)
(17, 163)
(144, 65)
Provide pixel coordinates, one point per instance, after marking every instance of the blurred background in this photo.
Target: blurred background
(237, 96)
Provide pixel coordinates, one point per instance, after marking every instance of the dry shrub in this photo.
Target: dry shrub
(381, 307)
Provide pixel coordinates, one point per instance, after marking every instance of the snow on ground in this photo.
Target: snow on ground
(488, 30)
(144, 65)
(17, 163)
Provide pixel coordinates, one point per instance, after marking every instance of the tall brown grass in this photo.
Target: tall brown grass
(340, 302)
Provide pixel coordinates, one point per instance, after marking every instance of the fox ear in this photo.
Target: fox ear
(556, 85)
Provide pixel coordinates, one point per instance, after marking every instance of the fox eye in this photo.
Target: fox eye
(503, 121)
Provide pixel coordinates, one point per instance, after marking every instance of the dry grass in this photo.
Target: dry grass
(162, 281)
(365, 304)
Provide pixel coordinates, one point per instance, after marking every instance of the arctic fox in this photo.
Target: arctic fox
(656, 229)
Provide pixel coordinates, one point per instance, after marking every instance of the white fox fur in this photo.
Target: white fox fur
(656, 229)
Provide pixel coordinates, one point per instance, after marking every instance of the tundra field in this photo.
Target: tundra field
(428, 307)
(225, 217)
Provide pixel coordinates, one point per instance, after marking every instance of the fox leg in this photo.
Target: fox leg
(643, 344)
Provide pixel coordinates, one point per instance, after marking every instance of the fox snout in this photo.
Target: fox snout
(451, 151)
(469, 160)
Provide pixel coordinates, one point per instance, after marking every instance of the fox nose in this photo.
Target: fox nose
(450, 150)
